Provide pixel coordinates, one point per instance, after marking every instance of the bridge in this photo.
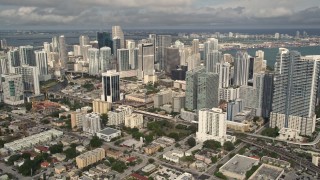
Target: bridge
(154, 115)
(285, 155)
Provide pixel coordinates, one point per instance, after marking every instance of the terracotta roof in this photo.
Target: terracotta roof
(139, 177)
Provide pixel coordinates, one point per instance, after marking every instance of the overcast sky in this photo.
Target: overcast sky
(97, 14)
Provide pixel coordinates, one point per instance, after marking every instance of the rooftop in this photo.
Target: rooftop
(239, 164)
(266, 171)
(108, 131)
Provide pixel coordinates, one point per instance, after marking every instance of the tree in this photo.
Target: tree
(174, 135)
(251, 171)
(26, 155)
(118, 166)
(13, 158)
(212, 144)
(191, 142)
(228, 146)
(28, 106)
(104, 119)
(256, 118)
(151, 160)
(149, 138)
(270, 132)
(214, 159)
(2, 142)
(71, 153)
(95, 142)
(57, 148)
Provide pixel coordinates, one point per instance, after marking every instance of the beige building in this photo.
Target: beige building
(134, 121)
(101, 107)
(90, 157)
(152, 148)
(59, 169)
(76, 119)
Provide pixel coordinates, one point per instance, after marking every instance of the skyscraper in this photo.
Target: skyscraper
(223, 69)
(208, 90)
(241, 69)
(267, 94)
(12, 87)
(30, 78)
(27, 55)
(84, 40)
(55, 44)
(85, 52)
(295, 88)
(212, 125)
(13, 59)
(163, 41)
(94, 63)
(63, 54)
(145, 60)
(111, 86)
(116, 45)
(210, 45)
(42, 65)
(4, 65)
(195, 46)
(104, 39)
(171, 59)
(213, 58)
(105, 58)
(123, 59)
(131, 45)
(118, 33)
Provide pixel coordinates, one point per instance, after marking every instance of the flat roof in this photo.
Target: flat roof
(108, 131)
(266, 171)
(239, 164)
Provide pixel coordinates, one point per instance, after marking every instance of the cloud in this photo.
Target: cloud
(158, 13)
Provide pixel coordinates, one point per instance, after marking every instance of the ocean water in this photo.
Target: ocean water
(271, 53)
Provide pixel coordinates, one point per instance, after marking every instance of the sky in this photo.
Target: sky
(139, 14)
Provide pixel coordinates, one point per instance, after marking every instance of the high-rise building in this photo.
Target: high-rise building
(145, 60)
(223, 69)
(116, 45)
(131, 45)
(30, 78)
(84, 40)
(13, 59)
(101, 107)
(77, 50)
(27, 55)
(213, 57)
(63, 54)
(208, 90)
(105, 59)
(111, 86)
(123, 59)
(212, 125)
(91, 123)
(241, 69)
(210, 45)
(104, 39)
(85, 54)
(118, 33)
(202, 89)
(260, 54)
(4, 69)
(94, 63)
(192, 87)
(42, 65)
(163, 41)
(171, 59)
(267, 94)
(12, 88)
(55, 44)
(295, 91)
(195, 46)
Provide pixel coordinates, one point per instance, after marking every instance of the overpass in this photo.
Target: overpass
(154, 115)
(285, 155)
(316, 140)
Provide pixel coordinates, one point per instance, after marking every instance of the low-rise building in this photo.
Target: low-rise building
(152, 148)
(266, 171)
(59, 156)
(290, 134)
(90, 157)
(108, 133)
(148, 168)
(205, 155)
(103, 168)
(275, 162)
(188, 115)
(185, 176)
(59, 169)
(164, 141)
(173, 155)
(237, 166)
(113, 153)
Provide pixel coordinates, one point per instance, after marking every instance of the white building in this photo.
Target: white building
(173, 155)
(223, 69)
(12, 87)
(212, 125)
(91, 123)
(134, 120)
(229, 94)
(105, 59)
(123, 59)
(42, 65)
(108, 133)
(94, 63)
(117, 116)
